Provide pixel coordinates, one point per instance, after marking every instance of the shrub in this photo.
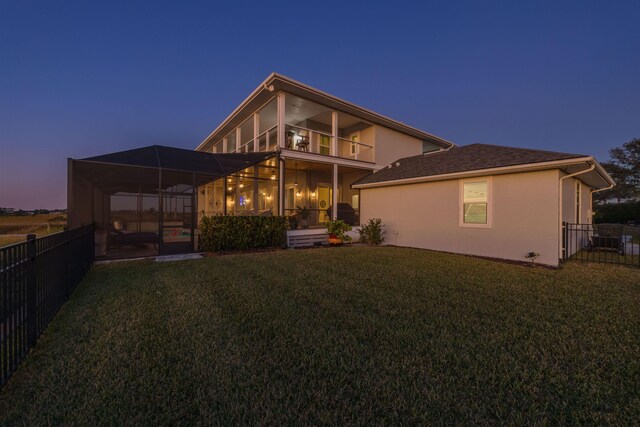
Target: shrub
(224, 233)
(373, 232)
(337, 228)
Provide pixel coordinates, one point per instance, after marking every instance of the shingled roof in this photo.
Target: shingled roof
(462, 159)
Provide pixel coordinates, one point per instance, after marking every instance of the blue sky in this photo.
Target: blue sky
(85, 78)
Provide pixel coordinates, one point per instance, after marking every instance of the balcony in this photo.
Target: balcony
(303, 139)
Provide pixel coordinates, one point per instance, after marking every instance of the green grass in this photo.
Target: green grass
(331, 336)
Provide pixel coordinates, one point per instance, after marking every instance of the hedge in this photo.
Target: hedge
(228, 233)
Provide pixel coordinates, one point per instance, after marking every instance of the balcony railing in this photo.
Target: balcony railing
(313, 141)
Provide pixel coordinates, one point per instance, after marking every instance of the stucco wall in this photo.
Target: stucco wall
(425, 215)
(391, 145)
(569, 204)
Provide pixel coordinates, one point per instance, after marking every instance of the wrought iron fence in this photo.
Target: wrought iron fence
(601, 243)
(36, 278)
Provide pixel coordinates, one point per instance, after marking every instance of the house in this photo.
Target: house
(289, 146)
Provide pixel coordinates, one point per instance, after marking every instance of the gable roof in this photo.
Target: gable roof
(275, 83)
(468, 159)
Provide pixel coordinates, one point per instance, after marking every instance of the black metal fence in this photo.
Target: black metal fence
(36, 278)
(603, 243)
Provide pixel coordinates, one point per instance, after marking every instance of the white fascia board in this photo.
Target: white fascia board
(528, 167)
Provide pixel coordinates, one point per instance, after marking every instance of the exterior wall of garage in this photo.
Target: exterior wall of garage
(524, 216)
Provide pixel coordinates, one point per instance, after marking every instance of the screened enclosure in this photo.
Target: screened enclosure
(149, 201)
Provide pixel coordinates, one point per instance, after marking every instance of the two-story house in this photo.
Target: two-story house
(325, 144)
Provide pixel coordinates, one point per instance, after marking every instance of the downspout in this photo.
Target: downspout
(562, 178)
(597, 191)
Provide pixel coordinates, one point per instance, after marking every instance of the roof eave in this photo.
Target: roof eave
(281, 82)
(526, 167)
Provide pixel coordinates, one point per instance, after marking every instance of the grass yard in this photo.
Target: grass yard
(14, 229)
(333, 336)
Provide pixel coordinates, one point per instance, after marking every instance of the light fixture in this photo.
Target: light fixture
(268, 197)
(273, 176)
(295, 183)
(247, 200)
(241, 184)
(313, 194)
(298, 194)
(230, 188)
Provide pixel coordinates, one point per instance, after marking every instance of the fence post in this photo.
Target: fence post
(32, 317)
(67, 255)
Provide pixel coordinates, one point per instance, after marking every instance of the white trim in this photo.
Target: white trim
(489, 181)
(267, 85)
(527, 167)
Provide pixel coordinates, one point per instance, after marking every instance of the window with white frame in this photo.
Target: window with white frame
(475, 203)
(578, 201)
(354, 144)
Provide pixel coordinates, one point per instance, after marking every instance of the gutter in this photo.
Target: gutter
(526, 167)
(562, 178)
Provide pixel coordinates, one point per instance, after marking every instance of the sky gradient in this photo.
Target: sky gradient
(79, 79)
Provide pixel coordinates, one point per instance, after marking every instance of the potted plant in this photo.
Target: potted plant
(336, 230)
(304, 215)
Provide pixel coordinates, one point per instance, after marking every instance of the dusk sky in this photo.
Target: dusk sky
(79, 79)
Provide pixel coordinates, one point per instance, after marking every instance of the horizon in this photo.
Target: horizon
(79, 80)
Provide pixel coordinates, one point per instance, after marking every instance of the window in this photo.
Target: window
(325, 144)
(475, 206)
(354, 146)
(578, 188)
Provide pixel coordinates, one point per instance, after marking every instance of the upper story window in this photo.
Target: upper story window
(354, 145)
(578, 189)
(475, 203)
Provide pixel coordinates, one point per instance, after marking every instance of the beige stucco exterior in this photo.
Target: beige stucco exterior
(524, 206)
(391, 146)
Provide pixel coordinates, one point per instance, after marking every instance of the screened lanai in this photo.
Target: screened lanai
(149, 201)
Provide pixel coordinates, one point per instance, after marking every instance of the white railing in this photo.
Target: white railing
(304, 139)
(355, 150)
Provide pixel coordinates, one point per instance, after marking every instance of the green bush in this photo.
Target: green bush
(228, 233)
(616, 213)
(372, 233)
(337, 228)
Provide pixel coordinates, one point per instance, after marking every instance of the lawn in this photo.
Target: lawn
(351, 335)
(14, 229)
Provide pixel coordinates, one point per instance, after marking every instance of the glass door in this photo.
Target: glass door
(177, 219)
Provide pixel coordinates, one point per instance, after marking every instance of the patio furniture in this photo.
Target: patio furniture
(119, 239)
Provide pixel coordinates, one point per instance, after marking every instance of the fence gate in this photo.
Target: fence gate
(603, 243)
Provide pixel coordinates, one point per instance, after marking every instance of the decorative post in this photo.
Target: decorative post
(256, 132)
(31, 290)
(334, 201)
(334, 132)
(281, 106)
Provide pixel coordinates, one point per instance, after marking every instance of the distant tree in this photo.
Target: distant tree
(624, 168)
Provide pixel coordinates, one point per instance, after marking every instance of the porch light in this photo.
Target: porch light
(313, 194)
(273, 176)
(268, 197)
(230, 188)
(241, 185)
(298, 194)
